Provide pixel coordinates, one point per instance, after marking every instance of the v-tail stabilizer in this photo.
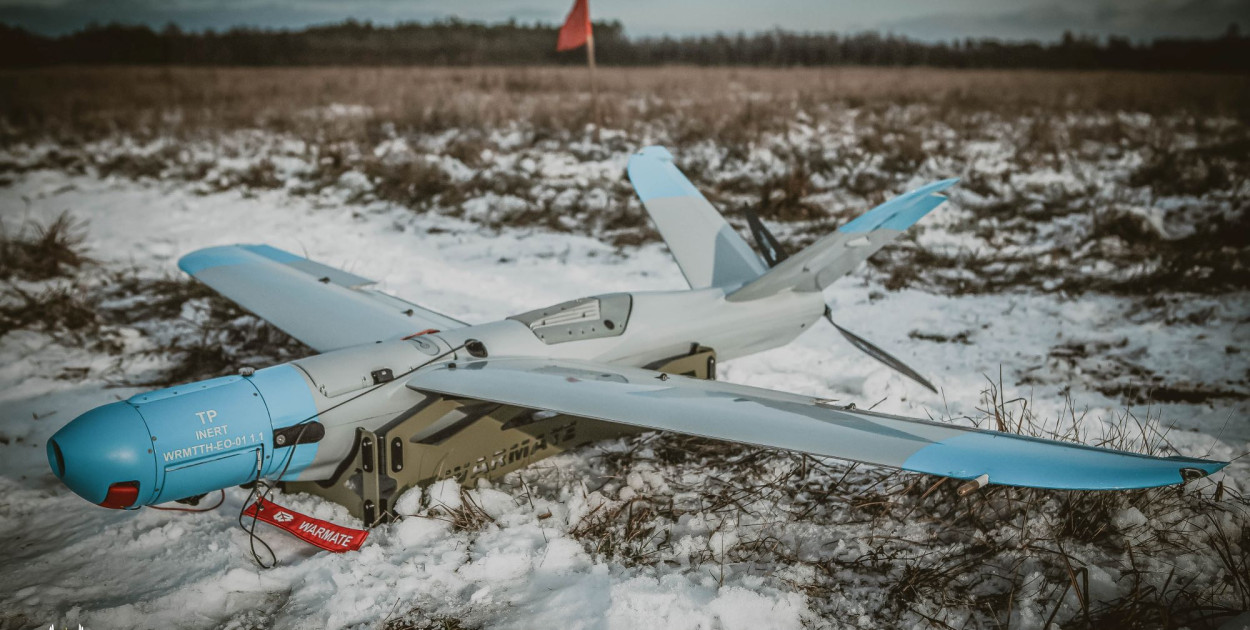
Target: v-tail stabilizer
(708, 250)
(833, 256)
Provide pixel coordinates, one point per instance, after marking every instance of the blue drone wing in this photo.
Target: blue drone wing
(323, 307)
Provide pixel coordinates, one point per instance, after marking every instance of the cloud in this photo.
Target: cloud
(1022, 19)
(55, 18)
(1137, 19)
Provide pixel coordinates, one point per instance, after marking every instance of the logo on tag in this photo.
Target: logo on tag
(313, 531)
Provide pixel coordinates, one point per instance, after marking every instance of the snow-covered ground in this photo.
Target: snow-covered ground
(68, 562)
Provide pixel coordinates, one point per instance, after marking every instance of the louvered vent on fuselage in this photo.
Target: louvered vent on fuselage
(586, 318)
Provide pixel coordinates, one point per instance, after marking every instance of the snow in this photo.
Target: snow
(68, 562)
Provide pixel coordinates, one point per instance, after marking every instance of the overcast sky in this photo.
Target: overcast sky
(923, 19)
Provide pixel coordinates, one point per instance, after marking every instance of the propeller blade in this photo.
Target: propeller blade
(774, 252)
(769, 246)
(873, 351)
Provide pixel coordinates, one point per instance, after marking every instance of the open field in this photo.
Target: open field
(1158, 161)
(1087, 280)
(725, 104)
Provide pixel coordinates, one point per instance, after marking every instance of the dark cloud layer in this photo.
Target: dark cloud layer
(1021, 19)
(1048, 21)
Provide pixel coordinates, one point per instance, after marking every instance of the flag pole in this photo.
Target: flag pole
(594, 84)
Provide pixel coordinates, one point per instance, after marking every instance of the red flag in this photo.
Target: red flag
(576, 29)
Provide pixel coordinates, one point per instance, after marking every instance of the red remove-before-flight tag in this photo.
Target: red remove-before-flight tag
(313, 531)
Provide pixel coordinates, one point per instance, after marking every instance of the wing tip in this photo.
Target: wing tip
(654, 176)
(654, 151)
(903, 211)
(237, 254)
(210, 257)
(1015, 460)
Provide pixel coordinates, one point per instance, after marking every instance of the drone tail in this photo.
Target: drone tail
(708, 250)
(835, 255)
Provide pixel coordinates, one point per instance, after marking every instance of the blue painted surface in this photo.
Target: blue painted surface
(289, 398)
(187, 440)
(272, 253)
(1020, 461)
(901, 212)
(200, 260)
(914, 211)
(178, 390)
(209, 474)
(208, 258)
(657, 152)
(654, 176)
(197, 427)
(106, 445)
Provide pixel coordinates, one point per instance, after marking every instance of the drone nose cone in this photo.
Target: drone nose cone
(105, 456)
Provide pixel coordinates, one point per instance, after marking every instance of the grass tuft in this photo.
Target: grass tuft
(930, 558)
(43, 252)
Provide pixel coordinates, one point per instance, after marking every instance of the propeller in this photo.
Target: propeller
(774, 253)
(769, 246)
(873, 351)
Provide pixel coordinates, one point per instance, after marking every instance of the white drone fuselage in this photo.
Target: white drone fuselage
(650, 327)
(596, 361)
(659, 325)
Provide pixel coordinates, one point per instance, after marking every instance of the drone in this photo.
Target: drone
(401, 396)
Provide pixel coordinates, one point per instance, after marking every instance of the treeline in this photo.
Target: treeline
(455, 42)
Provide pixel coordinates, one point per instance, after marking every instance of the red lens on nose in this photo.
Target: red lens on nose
(122, 494)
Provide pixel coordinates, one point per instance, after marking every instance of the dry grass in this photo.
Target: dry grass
(216, 339)
(32, 251)
(38, 265)
(874, 130)
(468, 516)
(934, 558)
(701, 102)
(49, 284)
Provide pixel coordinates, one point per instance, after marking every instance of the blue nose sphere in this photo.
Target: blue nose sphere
(105, 446)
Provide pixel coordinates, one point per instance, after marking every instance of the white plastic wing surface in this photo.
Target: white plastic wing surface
(750, 415)
(324, 307)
